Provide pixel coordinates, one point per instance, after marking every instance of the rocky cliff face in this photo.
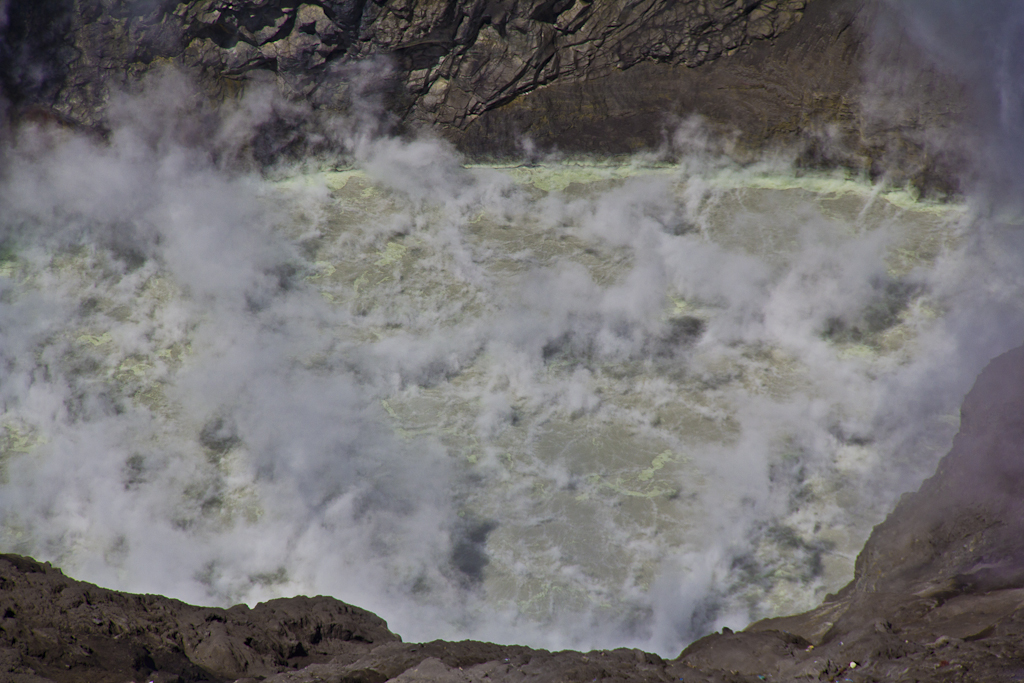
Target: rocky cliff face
(503, 77)
(938, 596)
(455, 58)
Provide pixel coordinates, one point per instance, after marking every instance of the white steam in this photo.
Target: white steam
(564, 404)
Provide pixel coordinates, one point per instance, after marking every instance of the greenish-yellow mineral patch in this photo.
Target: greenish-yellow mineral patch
(94, 340)
(557, 177)
(659, 462)
(324, 269)
(134, 367)
(393, 253)
(16, 438)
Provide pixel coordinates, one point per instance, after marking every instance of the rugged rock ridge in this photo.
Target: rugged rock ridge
(938, 595)
(457, 58)
(468, 57)
(495, 76)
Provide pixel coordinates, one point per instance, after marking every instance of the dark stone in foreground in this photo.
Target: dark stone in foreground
(938, 595)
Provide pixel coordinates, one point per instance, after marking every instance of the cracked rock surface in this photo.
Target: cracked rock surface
(456, 58)
(579, 76)
(938, 595)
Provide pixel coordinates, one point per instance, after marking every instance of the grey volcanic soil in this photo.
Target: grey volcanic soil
(938, 595)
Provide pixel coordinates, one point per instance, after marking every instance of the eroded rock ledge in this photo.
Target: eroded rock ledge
(938, 595)
(578, 76)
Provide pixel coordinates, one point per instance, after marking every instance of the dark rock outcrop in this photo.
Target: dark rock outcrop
(58, 629)
(938, 595)
(500, 77)
(454, 58)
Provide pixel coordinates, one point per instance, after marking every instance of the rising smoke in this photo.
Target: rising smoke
(565, 405)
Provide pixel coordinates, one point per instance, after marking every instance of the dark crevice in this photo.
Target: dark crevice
(549, 10)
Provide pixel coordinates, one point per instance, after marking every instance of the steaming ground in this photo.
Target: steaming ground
(566, 404)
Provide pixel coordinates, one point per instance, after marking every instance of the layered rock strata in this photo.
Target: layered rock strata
(938, 595)
(508, 77)
(455, 58)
